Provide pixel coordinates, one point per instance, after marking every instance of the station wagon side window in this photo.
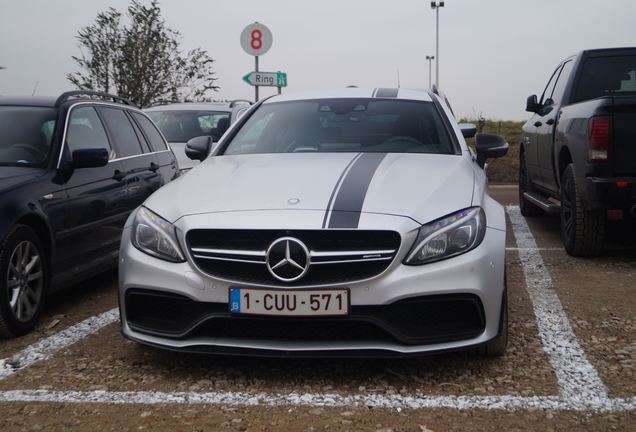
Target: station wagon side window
(152, 134)
(85, 131)
(140, 135)
(122, 131)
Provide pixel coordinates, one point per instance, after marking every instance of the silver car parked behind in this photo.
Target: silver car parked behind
(350, 222)
(179, 122)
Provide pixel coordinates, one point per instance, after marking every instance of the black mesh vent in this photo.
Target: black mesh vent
(420, 320)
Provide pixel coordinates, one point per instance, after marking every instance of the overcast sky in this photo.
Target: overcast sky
(493, 53)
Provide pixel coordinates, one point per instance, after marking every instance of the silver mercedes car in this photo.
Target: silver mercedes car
(353, 222)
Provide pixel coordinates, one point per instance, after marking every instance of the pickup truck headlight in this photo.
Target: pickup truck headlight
(155, 236)
(449, 236)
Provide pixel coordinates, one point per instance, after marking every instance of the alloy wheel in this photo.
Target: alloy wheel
(25, 280)
(566, 208)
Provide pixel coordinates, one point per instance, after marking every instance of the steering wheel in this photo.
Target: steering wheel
(403, 138)
(33, 150)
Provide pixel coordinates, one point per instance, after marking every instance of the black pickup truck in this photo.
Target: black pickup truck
(578, 151)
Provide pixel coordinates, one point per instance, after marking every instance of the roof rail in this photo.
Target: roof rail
(435, 90)
(161, 102)
(91, 95)
(237, 101)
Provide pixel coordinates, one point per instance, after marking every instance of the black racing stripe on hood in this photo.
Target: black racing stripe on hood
(386, 93)
(347, 206)
(336, 187)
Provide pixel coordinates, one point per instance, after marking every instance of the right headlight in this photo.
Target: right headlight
(155, 236)
(449, 236)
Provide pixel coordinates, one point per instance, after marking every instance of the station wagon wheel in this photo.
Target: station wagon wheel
(23, 280)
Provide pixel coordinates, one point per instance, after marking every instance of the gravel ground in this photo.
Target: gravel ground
(599, 297)
(36, 417)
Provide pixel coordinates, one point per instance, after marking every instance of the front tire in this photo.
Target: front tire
(582, 231)
(23, 281)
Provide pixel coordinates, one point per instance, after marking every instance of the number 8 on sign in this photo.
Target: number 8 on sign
(256, 39)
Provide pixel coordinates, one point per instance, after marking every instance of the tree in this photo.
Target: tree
(140, 59)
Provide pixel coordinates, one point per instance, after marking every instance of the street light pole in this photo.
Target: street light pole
(430, 59)
(436, 5)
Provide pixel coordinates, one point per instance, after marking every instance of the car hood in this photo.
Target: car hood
(422, 187)
(13, 176)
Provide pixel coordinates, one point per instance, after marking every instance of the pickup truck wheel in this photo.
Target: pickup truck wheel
(527, 208)
(23, 281)
(583, 231)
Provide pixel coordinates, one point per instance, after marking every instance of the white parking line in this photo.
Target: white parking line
(535, 249)
(47, 347)
(397, 402)
(579, 383)
(580, 387)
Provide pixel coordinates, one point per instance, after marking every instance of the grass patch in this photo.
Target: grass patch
(505, 169)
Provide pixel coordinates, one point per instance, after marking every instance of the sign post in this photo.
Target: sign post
(256, 40)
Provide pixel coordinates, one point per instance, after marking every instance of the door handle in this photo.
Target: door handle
(119, 175)
(537, 123)
(550, 122)
(153, 167)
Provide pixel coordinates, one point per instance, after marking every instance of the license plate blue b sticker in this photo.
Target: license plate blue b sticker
(235, 300)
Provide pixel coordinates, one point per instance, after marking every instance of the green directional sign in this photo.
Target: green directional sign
(266, 79)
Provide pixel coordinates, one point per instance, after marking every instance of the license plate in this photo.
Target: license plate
(255, 301)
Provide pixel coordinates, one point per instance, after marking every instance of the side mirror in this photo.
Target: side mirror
(532, 104)
(469, 130)
(90, 158)
(489, 146)
(199, 147)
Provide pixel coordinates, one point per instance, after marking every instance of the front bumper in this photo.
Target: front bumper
(476, 278)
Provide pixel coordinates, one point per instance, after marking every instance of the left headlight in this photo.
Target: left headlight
(155, 236)
(449, 236)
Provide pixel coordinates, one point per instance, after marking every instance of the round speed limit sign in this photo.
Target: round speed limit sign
(256, 39)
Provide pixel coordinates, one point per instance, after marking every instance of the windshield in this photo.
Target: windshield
(343, 125)
(181, 126)
(607, 76)
(25, 134)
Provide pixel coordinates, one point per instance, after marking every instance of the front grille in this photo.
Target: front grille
(419, 320)
(335, 256)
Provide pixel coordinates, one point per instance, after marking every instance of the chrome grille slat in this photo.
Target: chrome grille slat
(347, 253)
(351, 261)
(229, 251)
(229, 259)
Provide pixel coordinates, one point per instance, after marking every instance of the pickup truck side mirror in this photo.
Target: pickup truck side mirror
(469, 130)
(489, 146)
(90, 158)
(532, 104)
(199, 147)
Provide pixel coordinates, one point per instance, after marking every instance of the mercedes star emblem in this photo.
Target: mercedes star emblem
(287, 259)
